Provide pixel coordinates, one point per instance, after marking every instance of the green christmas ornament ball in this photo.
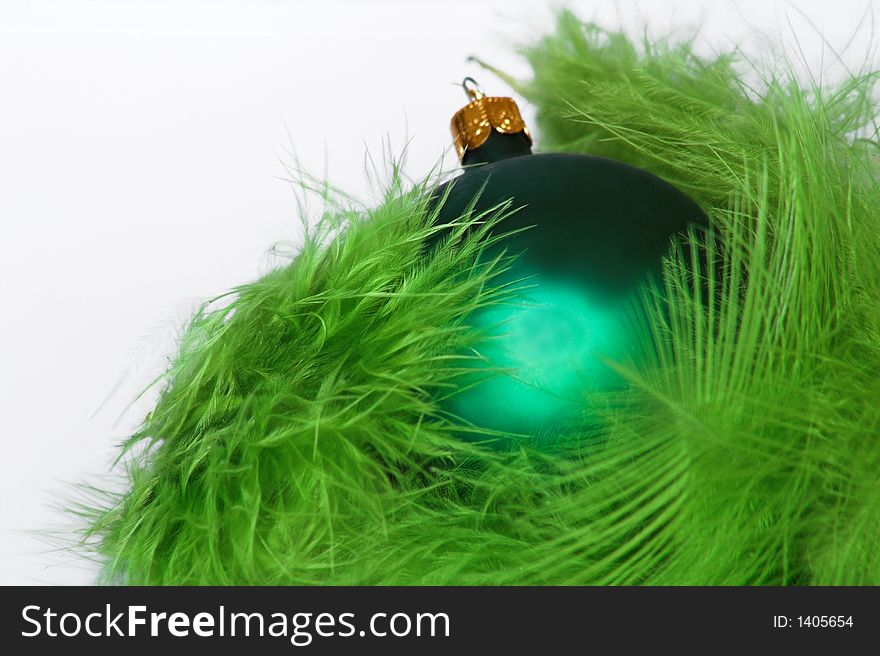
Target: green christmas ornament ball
(584, 233)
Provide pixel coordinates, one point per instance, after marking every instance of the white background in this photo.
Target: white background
(141, 154)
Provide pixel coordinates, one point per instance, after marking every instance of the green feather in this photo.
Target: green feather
(297, 438)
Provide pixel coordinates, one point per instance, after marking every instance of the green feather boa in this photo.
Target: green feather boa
(297, 438)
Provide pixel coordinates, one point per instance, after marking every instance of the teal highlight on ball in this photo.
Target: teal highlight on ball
(539, 354)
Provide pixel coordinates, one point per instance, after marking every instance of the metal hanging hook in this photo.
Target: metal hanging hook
(472, 89)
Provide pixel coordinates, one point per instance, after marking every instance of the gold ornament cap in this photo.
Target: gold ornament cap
(474, 123)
